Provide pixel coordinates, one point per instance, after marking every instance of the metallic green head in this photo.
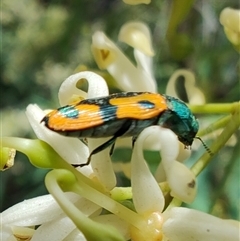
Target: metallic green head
(180, 120)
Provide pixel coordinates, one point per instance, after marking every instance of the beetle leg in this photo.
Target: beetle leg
(98, 149)
(134, 140)
(112, 148)
(106, 144)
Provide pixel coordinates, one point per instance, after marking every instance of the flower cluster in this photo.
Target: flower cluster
(85, 203)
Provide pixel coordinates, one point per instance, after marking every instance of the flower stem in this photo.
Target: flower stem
(228, 170)
(215, 126)
(230, 128)
(58, 179)
(215, 108)
(69, 182)
(42, 155)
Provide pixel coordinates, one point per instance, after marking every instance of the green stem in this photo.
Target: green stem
(215, 126)
(225, 176)
(42, 155)
(230, 128)
(215, 108)
(109, 204)
(125, 193)
(102, 200)
(92, 231)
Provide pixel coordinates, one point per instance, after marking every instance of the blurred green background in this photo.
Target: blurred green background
(43, 42)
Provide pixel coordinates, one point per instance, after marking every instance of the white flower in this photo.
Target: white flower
(108, 56)
(46, 212)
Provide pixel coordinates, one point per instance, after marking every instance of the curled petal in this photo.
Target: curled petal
(194, 94)
(70, 149)
(182, 182)
(137, 35)
(169, 147)
(143, 183)
(184, 153)
(160, 173)
(180, 179)
(181, 224)
(96, 87)
(109, 56)
(169, 151)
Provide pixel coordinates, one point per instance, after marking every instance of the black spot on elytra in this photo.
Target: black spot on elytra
(146, 104)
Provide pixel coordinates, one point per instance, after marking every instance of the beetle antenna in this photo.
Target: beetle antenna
(205, 146)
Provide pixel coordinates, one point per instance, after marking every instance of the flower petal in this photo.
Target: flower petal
(181, 224)
(180, 179)
(109, 56)
(6, 232)
(70, 149)
(182, 182)
(55, 230)
(34, 211)
(230, 19)
(147, 196)
(144, 64)
(137, 35)
(102, 165)
(96, 87)
(194, 94)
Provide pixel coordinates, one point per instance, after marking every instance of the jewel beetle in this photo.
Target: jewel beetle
(121, 115)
